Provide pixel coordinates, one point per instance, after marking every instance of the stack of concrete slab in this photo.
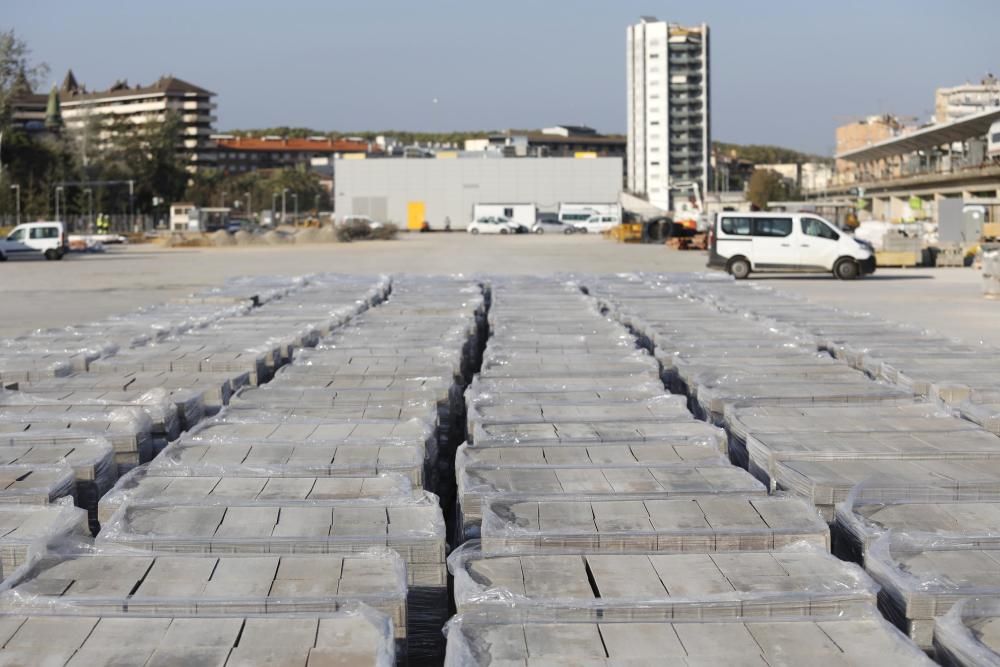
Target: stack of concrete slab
(487, 639)
(26, 531)
(969, 635)
(36, 484)
(109, 581)
(354, 637)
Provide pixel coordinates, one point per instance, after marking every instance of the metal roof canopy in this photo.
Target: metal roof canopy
(926, 138)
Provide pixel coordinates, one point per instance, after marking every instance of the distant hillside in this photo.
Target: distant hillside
(760, 154)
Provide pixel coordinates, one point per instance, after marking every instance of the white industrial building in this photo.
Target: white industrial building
(668, 109)
(440, 191)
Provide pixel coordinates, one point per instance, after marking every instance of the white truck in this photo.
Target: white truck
(575, 213)
(519, 214)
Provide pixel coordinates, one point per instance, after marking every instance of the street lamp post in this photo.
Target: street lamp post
(284, 209)
(316, 205)
(59, 191)
(274, 205)
(17, 200)
(295, 198)
(90, 206)
(222, 199)
(249, 205)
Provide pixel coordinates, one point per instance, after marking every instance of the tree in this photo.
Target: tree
(766, 186)
(17, 74)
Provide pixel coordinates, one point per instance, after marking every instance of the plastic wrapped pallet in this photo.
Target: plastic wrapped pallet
(481, 638)
(413, 527)
(582, 481)
(795, 582)
(969, 634)
(201, 484)
(699, 524)
(860, 520)
(354, 637)
(921, 580)
(30, 529)
(593, 433)
(311, 459)
(129, 430)
(666, 407)
(42, 484)
(986, 414)
(91, 459)
(767, 450)
(94, 580)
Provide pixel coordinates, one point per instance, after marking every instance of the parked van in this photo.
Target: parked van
(745, 242)
(597, 223)
(32, 238)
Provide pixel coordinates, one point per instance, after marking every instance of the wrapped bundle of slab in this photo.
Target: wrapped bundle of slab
(766, 450)
(354, 637)
(192, 358)
(859, 521)
(16, 369)
(36, 484)
(699, 524)
(661, 587)
(28, 530)
(129, 430)
(986, 414)
(969, 634)
(665, 407)
(91, 459)
(310, 459)
(413, 527)
(593, 433)
(219, 484)
(583, 481)
(332, 404)
(743, 419)
(481, 638)
(102, 581)
(921, 580)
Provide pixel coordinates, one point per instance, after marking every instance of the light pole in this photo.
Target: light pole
(59, 191)
(316, 205)
(17, 200)
(274, 205)
(295, 197)
(222, 199)
(284, 209)
(131, 203)
(90, 206)
(249, 205)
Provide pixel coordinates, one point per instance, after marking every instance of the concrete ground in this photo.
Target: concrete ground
(40, 294)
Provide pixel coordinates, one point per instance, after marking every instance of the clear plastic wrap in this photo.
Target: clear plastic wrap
(28, 530)
(234, 483)
(699, 524)
(665, 407)
(797, 581)
(969, 634)
(84, 579)
(986, 415)
(484, 638)
(575, 433)
(355, 636)
(311, 459)
(36, 484)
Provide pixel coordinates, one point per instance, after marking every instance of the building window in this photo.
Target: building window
(654, 55)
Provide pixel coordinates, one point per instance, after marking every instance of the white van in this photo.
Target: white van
(597, 223)
(745, 242)
(32, 238)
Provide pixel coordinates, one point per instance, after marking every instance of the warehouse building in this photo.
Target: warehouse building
(445, 190)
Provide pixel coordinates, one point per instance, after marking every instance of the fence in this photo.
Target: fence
(85, 224)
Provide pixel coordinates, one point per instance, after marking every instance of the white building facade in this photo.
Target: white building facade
(951, 104)
(669, 130)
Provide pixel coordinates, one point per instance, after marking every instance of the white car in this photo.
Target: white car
(597, 223)
(493, 225)
(551, 226)
(33, 238)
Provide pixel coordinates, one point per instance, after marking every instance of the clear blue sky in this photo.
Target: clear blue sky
(784, 71)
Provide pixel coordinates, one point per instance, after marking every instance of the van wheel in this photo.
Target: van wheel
(846, 269)
(738, 268)
(539, 231)
(568, 230)
(473, 231)
(51, 254)
(503, 231)
(3, 257)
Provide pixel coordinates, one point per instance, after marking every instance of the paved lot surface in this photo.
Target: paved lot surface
(80, 288)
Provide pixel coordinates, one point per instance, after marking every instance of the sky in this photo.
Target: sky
(784, 72)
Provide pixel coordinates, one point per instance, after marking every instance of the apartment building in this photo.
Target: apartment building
(88, 115)
(669, 102)
(951, 104)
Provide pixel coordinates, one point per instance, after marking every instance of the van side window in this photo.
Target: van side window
(772, 226)
(18, 235)
(815, 227)
(44, 233)
(736, 226)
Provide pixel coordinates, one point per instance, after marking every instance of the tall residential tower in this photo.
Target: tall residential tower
(669, 135)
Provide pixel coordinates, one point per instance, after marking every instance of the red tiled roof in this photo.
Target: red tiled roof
(295, 145)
